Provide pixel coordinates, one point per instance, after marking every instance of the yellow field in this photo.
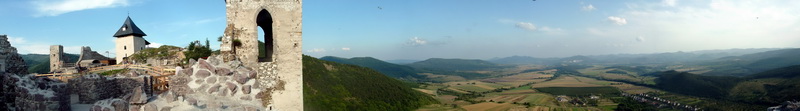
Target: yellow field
(565, 81)
(490, 106)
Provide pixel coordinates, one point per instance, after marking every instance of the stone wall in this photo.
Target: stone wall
(285, 64)
(88, 54)
(214, 85)
(10, 61)
(92, 88)
(56, 57)
(29, 93)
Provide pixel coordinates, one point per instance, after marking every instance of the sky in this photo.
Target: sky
(479, 29)
(33, 25)
(421, 29)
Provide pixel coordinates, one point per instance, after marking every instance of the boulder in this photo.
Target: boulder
(231, 87)
(119, 105)
(138, 96)
(241, 78)
(213, 89)
(246, 89)
(223, 71)
(205, 65)
(150, 107)
(191, 101)
(211, 80)
(166, 108)
(188, 71)
(202, 74)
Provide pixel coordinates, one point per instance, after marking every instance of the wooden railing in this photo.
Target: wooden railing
(160, 74)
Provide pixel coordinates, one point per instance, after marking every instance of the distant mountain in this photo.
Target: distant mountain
(40, 63)
(331, 86)
(455, 64)
(764, 88)
(753, 63)
(635, 59)
(402, 61)
(389, 69)
(523, 60)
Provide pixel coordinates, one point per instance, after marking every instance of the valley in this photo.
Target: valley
(596, 83)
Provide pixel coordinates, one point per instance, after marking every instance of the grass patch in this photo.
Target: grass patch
(114, 72)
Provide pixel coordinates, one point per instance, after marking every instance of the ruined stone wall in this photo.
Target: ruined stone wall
(92, 88)
(56, 57)
(29, 93)
(284, 71)
(214, 84)
(10, 61)
(87, 54)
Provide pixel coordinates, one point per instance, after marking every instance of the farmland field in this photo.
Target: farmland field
(565, 81)
(580, 91)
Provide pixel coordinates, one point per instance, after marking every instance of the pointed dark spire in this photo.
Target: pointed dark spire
(128, 28)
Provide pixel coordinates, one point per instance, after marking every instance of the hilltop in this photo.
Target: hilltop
(334, 86)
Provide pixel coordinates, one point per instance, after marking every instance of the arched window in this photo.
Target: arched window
(124, 47)
(264, 21)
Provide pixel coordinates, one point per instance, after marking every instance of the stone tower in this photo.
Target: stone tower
(56, 57)
(130, 39)
(280, 70)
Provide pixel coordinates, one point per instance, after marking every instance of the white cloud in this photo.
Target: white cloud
(526, 25)
(345, 48)
(640, 39)
(58, 7)
(416, 41)
(316, 50)
(16, 40)
(617, 20)
(589, 7)
(552, 31)
(670, 3)
(154, 45)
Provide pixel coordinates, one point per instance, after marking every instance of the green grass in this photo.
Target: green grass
(471, 88)
(113, 72)
(581, 91)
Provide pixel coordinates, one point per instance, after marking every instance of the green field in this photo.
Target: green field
(580, 91)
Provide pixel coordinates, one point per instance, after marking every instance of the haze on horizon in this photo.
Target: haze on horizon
(420, 29)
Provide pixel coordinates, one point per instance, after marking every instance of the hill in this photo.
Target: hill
(636, 59)
(523, 60)
(40, 63)
(764, 88)
(389, 69)
(753, 63)
(455, 64)
(337, 87)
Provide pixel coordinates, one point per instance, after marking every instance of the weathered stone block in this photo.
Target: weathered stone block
(150, 107)
(211, 80)
(205, 65)
(246, 89)
(231, 87)
(223, 71)
(213, 89)
(202, 74)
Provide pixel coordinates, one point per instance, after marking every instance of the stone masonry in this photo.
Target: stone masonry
(282, 68)
(29, 93)
(10, 61)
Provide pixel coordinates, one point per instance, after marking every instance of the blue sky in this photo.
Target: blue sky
(34, 25)
(421, 29)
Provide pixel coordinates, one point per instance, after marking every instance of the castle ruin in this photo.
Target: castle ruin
(281, 66)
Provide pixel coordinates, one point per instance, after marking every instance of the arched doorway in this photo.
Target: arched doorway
(265, 50)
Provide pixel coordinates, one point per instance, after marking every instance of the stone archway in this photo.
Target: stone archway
(264, 21)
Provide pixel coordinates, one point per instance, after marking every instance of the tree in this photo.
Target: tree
(194, 51)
